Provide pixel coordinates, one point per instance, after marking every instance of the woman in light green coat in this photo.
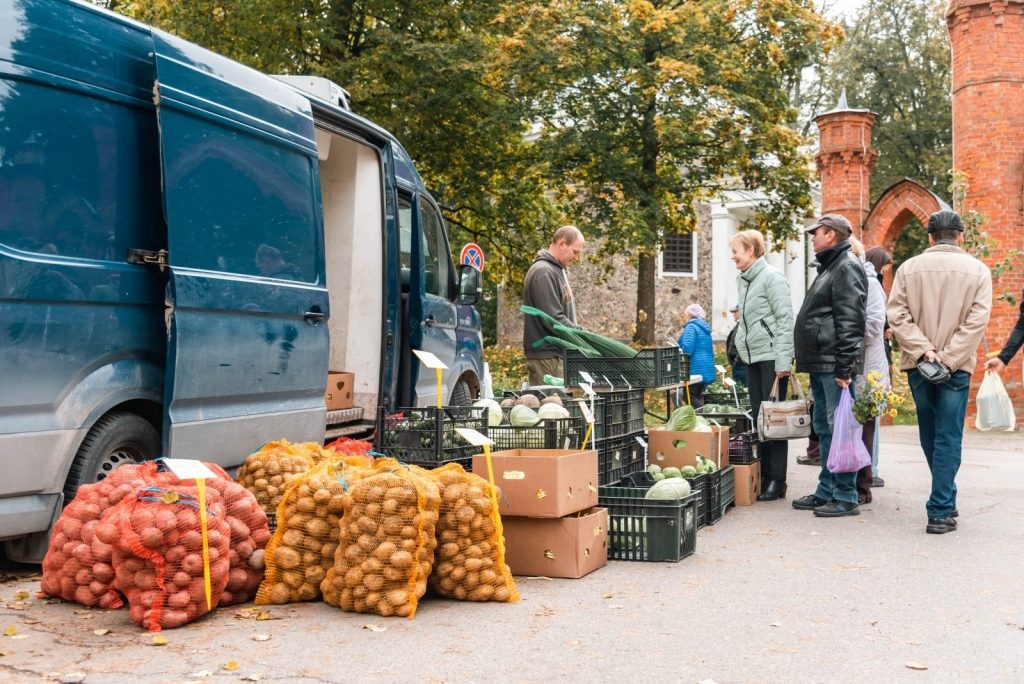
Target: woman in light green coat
(764, 341)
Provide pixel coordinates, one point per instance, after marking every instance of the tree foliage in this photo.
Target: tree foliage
(646, 107)
(895, 61)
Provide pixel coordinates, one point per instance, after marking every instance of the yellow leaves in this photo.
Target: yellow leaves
(230, 666)
(159, 640)
(20, 596)
(10, 631)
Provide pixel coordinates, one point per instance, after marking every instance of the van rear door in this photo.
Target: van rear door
(246, 301)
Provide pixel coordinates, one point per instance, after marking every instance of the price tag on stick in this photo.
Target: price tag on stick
(189, 469)
(431, 361)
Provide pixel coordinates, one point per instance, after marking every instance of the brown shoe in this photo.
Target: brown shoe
(808, 460)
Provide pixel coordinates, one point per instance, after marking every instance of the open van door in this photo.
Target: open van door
(246, 303)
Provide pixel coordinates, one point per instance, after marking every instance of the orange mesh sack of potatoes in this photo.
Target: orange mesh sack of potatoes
(249, 536)
(158, 553)
(387, 543)
(78, 566)
(469, 563)
(268, 472)
(303, 545)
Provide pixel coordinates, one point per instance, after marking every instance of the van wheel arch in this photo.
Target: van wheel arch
(117, 438)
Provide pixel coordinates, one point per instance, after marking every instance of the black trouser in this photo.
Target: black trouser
(774, 454)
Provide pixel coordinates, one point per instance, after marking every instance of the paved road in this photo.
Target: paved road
(772, 595)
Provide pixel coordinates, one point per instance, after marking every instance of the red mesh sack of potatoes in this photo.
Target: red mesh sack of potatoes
(386, 546)
(267, 473)
(347, 445)
(469, 563)
(303, 545)
(249, 536)
(78, 565)
(158, 553)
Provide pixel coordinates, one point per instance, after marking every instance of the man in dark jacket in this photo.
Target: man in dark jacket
(546, 287)
(828, 341)
(1013, 343)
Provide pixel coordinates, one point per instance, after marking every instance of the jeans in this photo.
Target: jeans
(940, 424)
(826, 393)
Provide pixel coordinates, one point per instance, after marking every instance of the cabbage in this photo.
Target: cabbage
(523, 416)
(688, 471)
(704, 465)
(653, 469)
(552, 411)
(669, 488)
(493, 411)
(672, 471)
(683, 419)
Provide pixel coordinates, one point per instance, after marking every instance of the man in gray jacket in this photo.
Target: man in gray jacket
(547, 288)
(938, 309)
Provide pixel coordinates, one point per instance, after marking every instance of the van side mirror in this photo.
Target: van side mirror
(469, 284)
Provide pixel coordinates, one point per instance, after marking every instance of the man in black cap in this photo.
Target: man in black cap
(828, 339)
(938, 309)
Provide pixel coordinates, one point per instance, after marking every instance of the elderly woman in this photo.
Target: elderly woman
(695, 341)
(764, 341)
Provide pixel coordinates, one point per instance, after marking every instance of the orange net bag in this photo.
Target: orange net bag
(469, 563)
(78, 566)
(250, 533)
(386, 547)
(158, 553)
(303, 545)
(347, 445)
(267, 473)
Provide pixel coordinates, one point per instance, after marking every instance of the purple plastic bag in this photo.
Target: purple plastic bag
(847, 453)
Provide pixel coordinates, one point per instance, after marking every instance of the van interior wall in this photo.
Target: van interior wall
(353, 236)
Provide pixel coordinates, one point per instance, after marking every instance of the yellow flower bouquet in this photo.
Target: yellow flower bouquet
(873, 399)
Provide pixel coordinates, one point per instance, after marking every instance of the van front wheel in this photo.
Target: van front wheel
(461, 395)
(116, 439)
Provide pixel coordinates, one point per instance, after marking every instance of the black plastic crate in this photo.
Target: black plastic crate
(426, 436)
(616, 413)
(648, 529)
(728, 488)
(652, 367)
(699, 484)
(716, 510)
(743, 448)
(727, 398)
(737, 420)
(552, 433)
(618, 457)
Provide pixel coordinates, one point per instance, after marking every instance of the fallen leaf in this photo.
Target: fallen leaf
(18, 605)
(20, 636)
(616, 607)
(10, 631)
(71, 677)
(6, 653)
(775, 624)
(159, 640)
(608, 596)
(230, 666)
(251, 677)
(28, 621)
(255, 614)
(914, 665)
(101, 632)
(261, 637)
(21, 595)
(374, 628)
(201, 674)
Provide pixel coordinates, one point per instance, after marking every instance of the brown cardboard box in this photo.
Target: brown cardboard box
(748, 483)
(542, 483)
(339, 390)
(571, 546)
(713, 445)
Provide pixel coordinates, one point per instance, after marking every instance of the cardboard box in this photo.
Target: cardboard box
(712, 445)
(542, 483)
(748, 483)
(339, 390)
(571, 546)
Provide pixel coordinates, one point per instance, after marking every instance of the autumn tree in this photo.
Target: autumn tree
(646, 107)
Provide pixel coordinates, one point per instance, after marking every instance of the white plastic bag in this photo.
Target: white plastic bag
(995, 411)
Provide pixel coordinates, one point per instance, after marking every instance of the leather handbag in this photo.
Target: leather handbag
(934, 372)
(784, 419)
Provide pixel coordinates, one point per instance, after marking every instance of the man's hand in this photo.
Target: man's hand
(843, 382)
(932, 356)
(995, 365)
(782, 374)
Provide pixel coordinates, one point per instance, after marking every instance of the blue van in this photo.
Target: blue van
(187, 247)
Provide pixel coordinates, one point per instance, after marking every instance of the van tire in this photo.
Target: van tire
(461, 395)
(116, 439)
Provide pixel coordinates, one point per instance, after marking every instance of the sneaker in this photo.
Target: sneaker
(837, 509)
(808, 503)
(940, 525)
(877, 482)
(954, 513)
(804, 459)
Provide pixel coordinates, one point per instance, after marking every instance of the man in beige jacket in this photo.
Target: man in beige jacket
(938, 309)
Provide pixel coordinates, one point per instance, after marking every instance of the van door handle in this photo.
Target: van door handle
(429, 321)
(314, 317)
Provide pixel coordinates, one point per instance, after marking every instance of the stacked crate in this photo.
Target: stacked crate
(618, 422)
(426, 436)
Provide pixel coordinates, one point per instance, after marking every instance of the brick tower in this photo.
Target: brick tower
(987, 39)
(844, 161)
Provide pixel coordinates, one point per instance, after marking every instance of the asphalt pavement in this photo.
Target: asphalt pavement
(771, 595)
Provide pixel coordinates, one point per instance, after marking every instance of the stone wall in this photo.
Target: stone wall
(606, 297)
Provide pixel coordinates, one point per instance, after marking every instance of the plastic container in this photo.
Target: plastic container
(738, 421)
(618, 457)
(700, 484)
(553, 433)
(743, 448)
(728, 488)
(648, 529)
(654, 367)
(616, 413)
(716, 509)
(426, 436)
